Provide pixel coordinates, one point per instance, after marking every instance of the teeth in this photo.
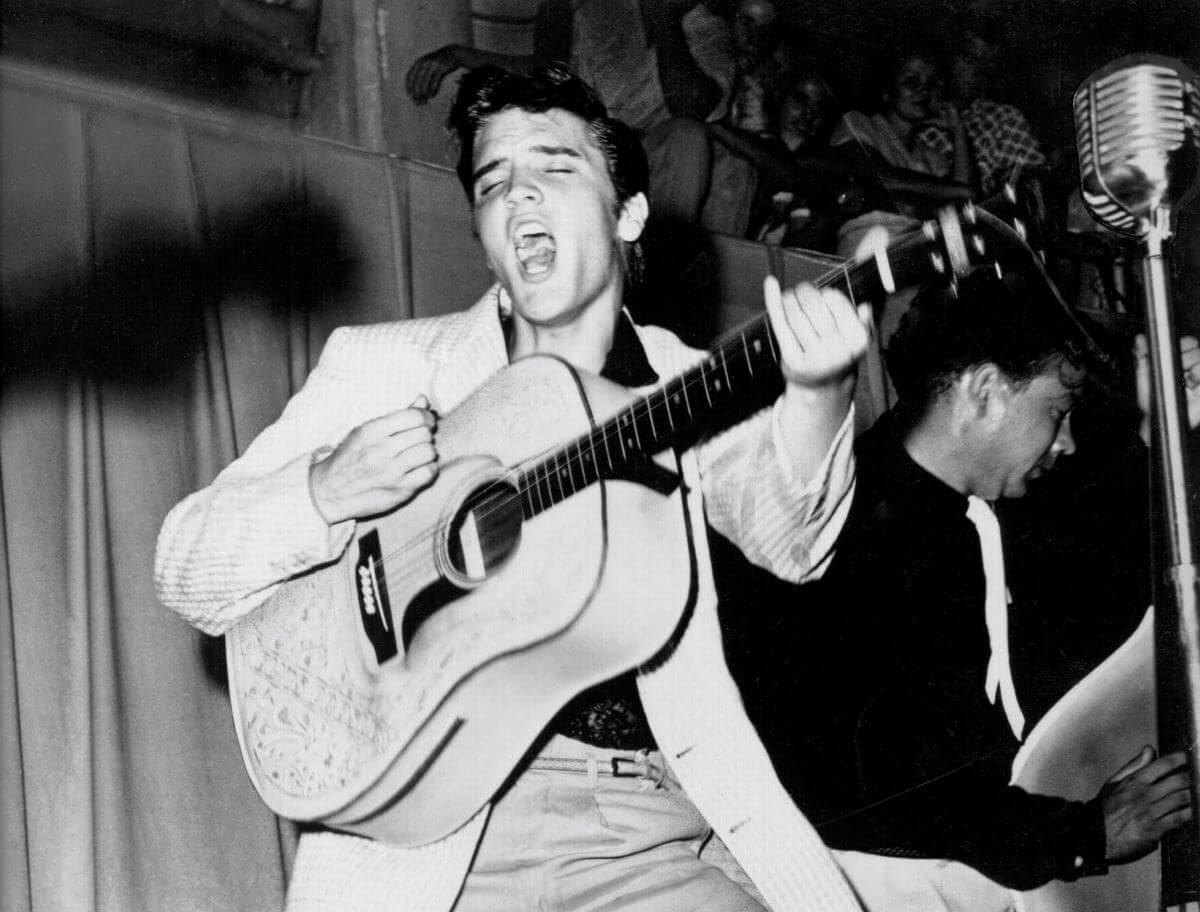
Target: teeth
(535, 250)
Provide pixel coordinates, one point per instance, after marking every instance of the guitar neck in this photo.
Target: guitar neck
(738, 364)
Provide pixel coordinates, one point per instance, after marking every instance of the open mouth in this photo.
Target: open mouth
(535, 248)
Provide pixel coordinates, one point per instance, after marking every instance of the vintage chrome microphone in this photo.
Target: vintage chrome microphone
(1139, 150)
(1136, 126)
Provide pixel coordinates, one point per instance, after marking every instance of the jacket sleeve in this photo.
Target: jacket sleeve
(1016, 838)
(756, 499)
(752, 494)
(224, 550)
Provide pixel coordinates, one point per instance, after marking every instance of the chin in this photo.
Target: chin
(1017, 488)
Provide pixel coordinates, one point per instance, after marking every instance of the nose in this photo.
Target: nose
(1064, 442)
(522, 188)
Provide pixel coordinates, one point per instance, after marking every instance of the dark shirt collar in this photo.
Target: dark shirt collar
(883, 460)
(626, 362)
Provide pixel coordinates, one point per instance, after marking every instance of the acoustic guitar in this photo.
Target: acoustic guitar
(392, 692)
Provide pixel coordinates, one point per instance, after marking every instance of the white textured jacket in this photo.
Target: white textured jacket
(225, 549)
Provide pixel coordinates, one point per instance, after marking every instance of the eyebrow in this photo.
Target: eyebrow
(548, 151)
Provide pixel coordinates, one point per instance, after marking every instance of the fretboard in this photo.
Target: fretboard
(739, 362)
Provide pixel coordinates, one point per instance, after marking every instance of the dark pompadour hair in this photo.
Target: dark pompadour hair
(489, 90)
(1020, 329)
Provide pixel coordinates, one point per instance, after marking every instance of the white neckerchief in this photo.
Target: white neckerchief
(999, 677)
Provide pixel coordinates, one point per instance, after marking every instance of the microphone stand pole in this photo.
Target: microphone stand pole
(1169, 410)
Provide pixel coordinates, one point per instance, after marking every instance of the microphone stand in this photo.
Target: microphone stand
(1179, 580)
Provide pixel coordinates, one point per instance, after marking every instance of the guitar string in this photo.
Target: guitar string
(610, 432)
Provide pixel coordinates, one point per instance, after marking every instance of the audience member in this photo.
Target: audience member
(800, 182)
(1001, 142)
(762, 64)
(909, 88)
(909, 98)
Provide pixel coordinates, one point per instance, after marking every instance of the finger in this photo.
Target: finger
(789, 348)
(1165, 765)
(1171, 802)
(853, 324)
(425, 88)
(413, 457)
(804, 310)
(1144, 756)
(397, 422)
(1141, 348)
(1175, 784)
(435, 80)
(416, 78)
(1175, 819)
(421, 476)
(823, 310)
(399, 442)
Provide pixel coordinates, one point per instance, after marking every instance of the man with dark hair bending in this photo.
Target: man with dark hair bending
(907, 750)
(643, 790)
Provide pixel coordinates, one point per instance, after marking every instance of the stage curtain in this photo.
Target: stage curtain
(167, 281)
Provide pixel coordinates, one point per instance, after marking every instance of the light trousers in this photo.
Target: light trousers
(576, 841)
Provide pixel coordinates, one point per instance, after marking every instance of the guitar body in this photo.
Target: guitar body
(391, 693)
(1098, 726)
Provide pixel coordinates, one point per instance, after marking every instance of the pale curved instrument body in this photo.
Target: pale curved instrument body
(409, 748)
(1098, 726)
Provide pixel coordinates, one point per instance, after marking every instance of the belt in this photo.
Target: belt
(642, 765)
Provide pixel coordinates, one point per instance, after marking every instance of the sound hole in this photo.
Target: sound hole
(485, 531)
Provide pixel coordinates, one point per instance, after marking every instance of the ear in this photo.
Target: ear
(985, 386)
(631, 220)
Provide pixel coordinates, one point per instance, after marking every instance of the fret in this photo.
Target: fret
(746, 352)
(666, 400)
(544, 488)
(628, 418)
(564, 474)
(620, 440)
(535, 496)
(649, 400)
(725, 368)
(587, 462)
(682, 384)
(554, 474)
(704, 382)
(607, 452)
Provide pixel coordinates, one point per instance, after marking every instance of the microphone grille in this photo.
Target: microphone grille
(1135, 122)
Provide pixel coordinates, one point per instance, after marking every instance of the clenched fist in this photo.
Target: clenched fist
(380, 465)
